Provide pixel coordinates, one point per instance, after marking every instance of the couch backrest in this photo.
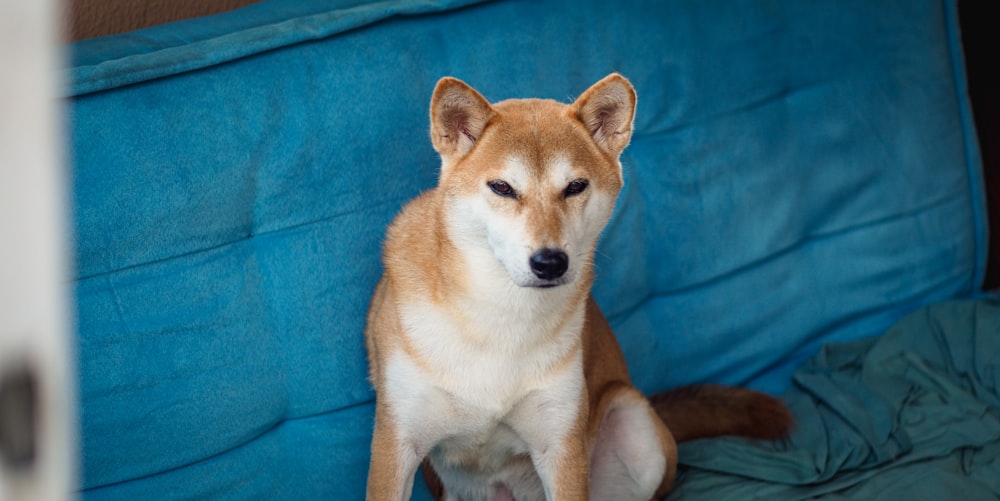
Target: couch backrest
(800, 173)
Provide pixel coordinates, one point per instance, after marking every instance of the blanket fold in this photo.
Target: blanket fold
(914, 413)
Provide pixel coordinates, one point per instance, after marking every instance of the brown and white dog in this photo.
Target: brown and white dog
(488, 355)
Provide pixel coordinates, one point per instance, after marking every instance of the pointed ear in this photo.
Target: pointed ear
(607, 109)
(458, 116)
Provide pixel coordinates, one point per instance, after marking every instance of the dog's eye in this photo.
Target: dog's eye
(576, 187)
(502, 188)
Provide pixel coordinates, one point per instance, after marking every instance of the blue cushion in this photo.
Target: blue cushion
(800, 173)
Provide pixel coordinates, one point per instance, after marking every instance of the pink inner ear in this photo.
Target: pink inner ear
(464, 129)
(599, 126)
(454, 122)
(604, 126)
(458, 119)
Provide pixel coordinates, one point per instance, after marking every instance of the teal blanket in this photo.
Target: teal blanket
(913, 414)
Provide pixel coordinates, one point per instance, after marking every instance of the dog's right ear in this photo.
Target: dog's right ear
(607, 109)
(458, 116)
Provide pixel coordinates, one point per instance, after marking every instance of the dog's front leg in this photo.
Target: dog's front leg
(564, 469)
(393, 464)
(552, 421)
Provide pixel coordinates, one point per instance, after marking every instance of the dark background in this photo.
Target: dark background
(980, 39)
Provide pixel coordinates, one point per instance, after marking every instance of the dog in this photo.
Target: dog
(488, 355)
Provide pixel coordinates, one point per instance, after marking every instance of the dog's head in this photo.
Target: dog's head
(532, 181)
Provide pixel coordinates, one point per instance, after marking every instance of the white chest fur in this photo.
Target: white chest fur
(495, 383)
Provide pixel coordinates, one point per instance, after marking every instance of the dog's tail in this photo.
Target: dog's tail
(708, 410)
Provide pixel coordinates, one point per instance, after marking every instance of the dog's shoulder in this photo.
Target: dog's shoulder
(416, 248)
(414, 222)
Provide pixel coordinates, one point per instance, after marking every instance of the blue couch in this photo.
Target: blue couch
(802, 176)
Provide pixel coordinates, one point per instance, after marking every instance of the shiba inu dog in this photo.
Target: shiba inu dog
(487, 353)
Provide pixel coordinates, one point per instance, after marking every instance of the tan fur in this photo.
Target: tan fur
(492, 363)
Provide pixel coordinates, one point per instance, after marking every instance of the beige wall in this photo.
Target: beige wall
(93, 18)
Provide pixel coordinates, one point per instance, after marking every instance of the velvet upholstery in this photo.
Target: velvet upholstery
(800, 173)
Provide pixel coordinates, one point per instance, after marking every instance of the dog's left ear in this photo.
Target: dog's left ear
(607, 109)
(459, 115)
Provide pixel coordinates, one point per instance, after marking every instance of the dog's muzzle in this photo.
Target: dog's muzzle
(549, 264)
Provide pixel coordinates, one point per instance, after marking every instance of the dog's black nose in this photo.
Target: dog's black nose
(549, 264)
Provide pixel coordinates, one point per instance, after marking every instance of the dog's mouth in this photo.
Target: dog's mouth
(523, 282)
(540, 283)
(547, 286)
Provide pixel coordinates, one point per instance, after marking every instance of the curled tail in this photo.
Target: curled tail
(708, 410)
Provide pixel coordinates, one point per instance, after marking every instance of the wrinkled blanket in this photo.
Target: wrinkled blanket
(913, 414)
